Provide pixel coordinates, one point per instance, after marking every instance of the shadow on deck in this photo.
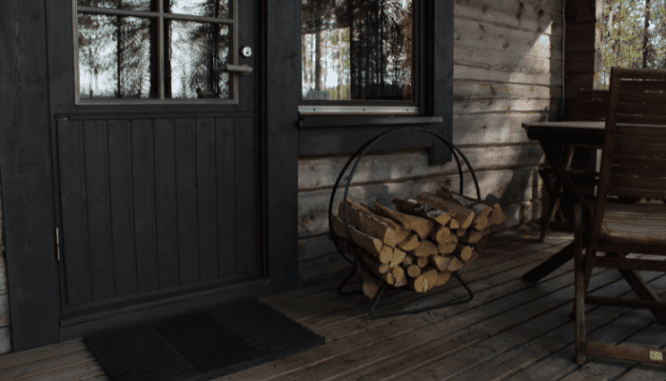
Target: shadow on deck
(510, 331)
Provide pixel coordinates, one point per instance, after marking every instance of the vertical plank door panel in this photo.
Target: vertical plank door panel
(100, 245)
(226, 195)
(144, 204)
(186, 193)
(165, 200)
(207, 200)
(246, 202)
(75, 224)
(122, 205)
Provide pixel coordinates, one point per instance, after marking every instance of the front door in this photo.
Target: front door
(155, 206)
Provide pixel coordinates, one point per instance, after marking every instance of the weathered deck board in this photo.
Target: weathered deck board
(510, 331)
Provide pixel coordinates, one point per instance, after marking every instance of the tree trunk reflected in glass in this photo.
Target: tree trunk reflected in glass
(357, 50)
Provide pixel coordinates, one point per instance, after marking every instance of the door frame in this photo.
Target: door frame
(32, 267)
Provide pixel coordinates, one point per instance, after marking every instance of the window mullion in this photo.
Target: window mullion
(160, 47)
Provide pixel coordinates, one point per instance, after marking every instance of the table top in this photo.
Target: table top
(582, 132)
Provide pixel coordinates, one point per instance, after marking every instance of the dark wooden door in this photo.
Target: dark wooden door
(154, 206)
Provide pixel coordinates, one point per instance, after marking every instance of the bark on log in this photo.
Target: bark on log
(465, 216)
(370, 244)
(412, 206)
(411, 243)
(420, 226)
(385, 229)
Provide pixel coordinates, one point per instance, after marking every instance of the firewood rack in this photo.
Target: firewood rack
(348, 250)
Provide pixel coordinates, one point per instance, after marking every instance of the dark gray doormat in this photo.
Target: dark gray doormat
(201, 345)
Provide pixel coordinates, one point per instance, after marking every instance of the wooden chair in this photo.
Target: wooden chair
(590, 105)
(633, 165)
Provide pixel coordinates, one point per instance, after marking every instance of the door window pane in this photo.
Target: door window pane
(206, 8)
(132, 5)
(357, 50)
(196, 49)
(115, 57)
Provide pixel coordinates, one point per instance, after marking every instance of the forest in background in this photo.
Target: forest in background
(633, 35)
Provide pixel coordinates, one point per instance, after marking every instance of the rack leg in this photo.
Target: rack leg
(344, 283)
(377, 297)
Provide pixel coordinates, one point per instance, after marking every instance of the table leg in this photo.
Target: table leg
(549, 265)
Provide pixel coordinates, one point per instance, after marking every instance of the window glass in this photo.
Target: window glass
(194, 56)
(132, 5)
(115, 57)
(207, 8)
(357, 50)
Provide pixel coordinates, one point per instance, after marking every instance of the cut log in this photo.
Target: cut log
(461, 232)
(455, 265)
(472, 237)
(440, 262)
(472, 258)
(454, 224)
(498, 216)
(408, 261)
(420, 226)
(386, 254)
(465, 216)
(425, 249)
(398, 257)
(446, 248)
(442, 278)
(411, 243)
(430, 275)
(370, 285)
(412, 206)
(370, 244)
(401, 283)
(413, 271)
(419, 284)
(480, 222)
(422, 261)
(441, 234)
(479, 246)
(398, 274)
(463, 252)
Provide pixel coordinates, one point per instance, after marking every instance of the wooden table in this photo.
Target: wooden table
(551, 136)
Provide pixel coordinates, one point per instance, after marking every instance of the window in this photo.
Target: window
(159, 50)
(633, 35)
(357, 55)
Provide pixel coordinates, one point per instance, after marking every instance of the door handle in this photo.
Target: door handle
(243, 69)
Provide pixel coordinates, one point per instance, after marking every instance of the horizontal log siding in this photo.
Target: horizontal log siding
(5, 343)
(507, 70)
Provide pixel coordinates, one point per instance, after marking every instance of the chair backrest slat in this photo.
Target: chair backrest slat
(635, 138)
(591, 105)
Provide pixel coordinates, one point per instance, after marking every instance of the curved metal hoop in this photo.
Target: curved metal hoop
(361, 152)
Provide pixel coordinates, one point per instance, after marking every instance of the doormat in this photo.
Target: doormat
(201, 345)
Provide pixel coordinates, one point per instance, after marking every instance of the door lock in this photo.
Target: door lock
(246, 52)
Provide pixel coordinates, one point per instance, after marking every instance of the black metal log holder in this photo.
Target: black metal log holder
(351, 249)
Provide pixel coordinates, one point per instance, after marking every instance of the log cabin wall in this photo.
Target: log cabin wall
(5, 342)
(508, 70)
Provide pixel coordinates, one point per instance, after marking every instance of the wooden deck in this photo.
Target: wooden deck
(510, 331)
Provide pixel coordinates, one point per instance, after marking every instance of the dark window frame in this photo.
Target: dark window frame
(160, 15)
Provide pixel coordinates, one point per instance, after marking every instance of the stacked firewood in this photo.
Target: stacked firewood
(420, 242)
